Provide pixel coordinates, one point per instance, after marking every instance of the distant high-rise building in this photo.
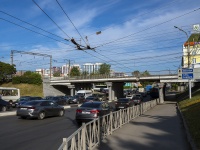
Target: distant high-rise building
(91, 68)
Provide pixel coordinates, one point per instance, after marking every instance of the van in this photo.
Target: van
(84, 93)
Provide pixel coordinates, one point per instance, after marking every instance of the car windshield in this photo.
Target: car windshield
(123, 100)
(91, 105)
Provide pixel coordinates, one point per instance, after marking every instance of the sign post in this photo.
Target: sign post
(186, 73)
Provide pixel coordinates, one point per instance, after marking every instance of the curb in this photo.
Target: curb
(189, 137)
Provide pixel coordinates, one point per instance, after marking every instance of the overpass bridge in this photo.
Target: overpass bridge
(69, 86)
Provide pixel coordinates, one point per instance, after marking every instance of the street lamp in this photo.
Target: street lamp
(188, 50)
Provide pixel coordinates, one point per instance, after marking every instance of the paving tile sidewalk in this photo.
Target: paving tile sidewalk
(160, 128)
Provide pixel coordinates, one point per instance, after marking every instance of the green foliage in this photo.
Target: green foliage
(56, 74)
(190, 109)
(136, 73)
(28, 77)
(6, 72)
(140, 74)
(104, 69)
(75, 72)
(145, 73)
(84, 73)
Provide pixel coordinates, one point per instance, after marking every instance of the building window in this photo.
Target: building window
(194, 60)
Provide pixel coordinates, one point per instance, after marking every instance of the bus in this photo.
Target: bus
(9, 94)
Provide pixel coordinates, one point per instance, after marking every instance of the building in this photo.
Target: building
(91, 68)
(191, 51)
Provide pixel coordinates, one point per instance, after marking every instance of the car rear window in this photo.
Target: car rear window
(91, 105)
(123, 100)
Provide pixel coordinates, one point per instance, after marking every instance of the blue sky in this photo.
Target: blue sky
(135, 34)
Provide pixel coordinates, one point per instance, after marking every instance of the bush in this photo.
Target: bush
(28, 77)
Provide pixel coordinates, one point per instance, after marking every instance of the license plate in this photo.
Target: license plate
(121, 107)
(23, 108)
(85, 112)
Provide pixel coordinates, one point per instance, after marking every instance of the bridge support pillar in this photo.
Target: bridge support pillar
(161, 95)
(71, 87)
(110, 90)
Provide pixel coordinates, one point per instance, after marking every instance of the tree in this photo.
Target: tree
(6, 71)
(84, 73)
(56, 74)
(104, 69)
(75, 72)
(145, 73)
(136, 73)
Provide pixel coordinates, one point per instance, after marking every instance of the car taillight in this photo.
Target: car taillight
(78, 110)
(94, 111)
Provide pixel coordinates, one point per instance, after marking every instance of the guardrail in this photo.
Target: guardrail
(89, 135)
(106, 76)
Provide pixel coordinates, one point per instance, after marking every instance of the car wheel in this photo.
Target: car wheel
(61, 113)
(3, 108)
(41, 115)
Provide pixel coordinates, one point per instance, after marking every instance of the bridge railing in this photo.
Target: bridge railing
(89, 135)
(106, 77)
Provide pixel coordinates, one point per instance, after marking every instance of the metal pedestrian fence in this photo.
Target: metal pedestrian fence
(90, 134)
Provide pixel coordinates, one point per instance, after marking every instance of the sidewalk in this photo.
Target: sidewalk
(158, 129)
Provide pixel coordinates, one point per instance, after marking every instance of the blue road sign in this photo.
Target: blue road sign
(187, 76)
(187, 70)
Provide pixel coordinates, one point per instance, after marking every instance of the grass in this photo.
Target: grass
(27, 89)
(190, 109)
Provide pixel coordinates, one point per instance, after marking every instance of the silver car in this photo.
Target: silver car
(40, 109)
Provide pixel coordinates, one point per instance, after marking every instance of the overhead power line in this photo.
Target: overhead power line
(51, 19)
(31, 24)
(71, 21)
(33, 31)
(150, 27)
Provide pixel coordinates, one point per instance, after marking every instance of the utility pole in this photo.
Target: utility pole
(30, 53)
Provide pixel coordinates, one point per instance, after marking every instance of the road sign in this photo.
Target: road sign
(187, 76)
(187, 70)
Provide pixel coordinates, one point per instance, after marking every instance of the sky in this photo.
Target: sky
(135, 34)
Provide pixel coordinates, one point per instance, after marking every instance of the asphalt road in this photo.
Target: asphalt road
(32, 134)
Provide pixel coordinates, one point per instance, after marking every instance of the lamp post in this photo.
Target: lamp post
(188, 48)
(188, 51)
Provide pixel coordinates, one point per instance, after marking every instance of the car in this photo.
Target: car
(4, 105)
(137, 100)
(26, 99)
(22, 98)
(76, 99)
(100, 96)
(60, 100)
(39, 109)
(139, 95)
(91, 110)
(123, 103)
(92, 98)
